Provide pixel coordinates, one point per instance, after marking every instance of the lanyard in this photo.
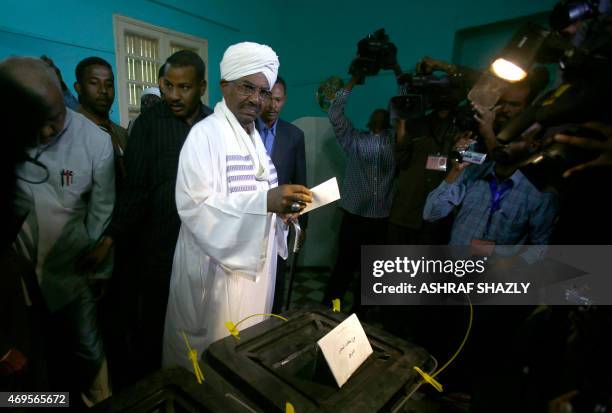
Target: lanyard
(496, 193)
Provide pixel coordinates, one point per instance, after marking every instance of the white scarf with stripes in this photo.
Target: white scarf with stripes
(251, 143)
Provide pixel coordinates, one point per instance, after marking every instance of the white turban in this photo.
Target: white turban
(151, 91)
(248, 58)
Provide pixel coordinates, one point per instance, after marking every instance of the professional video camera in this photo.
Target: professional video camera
(566, 13)
(424, 91)
(374, 52)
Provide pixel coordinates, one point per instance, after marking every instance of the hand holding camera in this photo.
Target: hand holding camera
(462, 144)
(427, 65)
(602, 146)
(358, 73)
(374, 52)
(465, 150)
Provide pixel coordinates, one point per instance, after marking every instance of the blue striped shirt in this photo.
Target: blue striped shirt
(525, 215)
(267, 134)
(367, 189)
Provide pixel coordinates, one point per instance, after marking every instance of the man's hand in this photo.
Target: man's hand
(281, 198)
(13, 362)
(355, 80)
(462, 141)
(427, 66)
(603, 147)
(485, 118)
(456, 170)
(400, 131)
(288, 218)
(91, 260)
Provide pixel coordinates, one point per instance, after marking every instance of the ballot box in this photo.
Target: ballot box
(276, 361)
(176, 390)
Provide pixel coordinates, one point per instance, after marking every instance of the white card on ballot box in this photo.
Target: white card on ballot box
(345, 348)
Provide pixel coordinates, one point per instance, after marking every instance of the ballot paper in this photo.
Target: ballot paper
(345, 348)
(323, 194)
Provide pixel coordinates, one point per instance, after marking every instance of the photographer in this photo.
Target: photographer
(422, 149)
(366, 190)
(603, 147)
(423, 145)
(494, 203)
(514, 99)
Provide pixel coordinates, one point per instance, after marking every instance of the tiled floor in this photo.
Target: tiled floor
(309, 287)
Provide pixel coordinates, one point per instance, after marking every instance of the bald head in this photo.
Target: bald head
(38, 78)
(33, 74)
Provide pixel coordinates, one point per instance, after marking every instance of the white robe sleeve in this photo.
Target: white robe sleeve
(232, 229)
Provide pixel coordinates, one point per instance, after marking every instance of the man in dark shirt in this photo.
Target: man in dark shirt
(422, 148)
(147, 206)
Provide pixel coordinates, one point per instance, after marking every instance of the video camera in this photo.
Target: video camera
(583, 96)
(422, 92)
(374, 52)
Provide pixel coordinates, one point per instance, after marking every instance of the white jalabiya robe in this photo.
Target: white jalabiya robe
(225, 260)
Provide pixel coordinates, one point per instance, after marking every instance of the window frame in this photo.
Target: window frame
(166, 39)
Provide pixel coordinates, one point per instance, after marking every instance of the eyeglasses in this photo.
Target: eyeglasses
(248, 89)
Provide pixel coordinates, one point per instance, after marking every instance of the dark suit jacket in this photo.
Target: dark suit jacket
(289, 157)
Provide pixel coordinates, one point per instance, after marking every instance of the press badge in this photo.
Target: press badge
(436, 163)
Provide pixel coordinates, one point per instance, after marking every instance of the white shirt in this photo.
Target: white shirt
(68, 212)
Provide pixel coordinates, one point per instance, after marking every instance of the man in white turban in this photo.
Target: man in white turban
(229, 204)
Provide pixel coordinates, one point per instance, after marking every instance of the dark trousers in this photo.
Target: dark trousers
(152, 317)
(429, 233)
(134, 311)
(355, 231)
(75, 344)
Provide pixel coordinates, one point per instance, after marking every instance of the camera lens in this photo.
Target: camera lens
(457, 155)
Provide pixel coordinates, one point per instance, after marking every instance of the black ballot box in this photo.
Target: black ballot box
(176, 390)
(276, 362)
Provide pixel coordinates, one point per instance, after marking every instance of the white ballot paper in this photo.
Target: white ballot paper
(323, 194)
(345, 348)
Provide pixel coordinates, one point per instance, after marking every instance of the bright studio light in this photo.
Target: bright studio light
(508, 70)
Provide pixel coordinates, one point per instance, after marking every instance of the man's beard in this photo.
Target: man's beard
(501, 156)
